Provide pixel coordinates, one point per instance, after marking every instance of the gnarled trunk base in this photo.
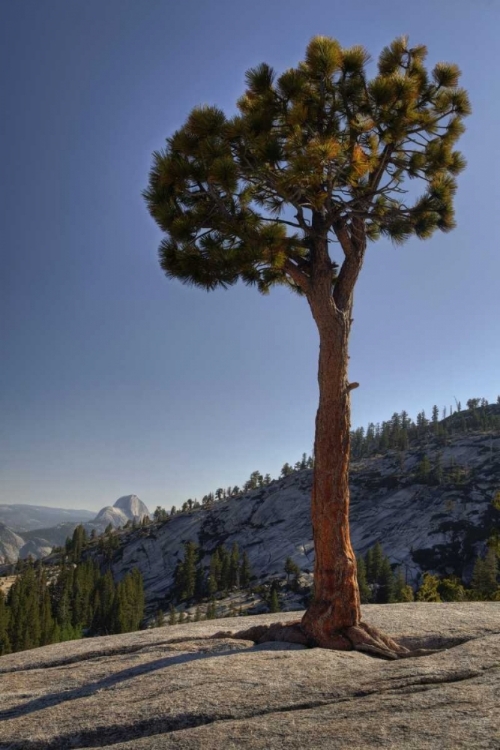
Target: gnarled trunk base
(361, 637)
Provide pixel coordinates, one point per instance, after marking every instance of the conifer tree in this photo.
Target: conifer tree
(4, 626)
(211, 610)
(274, 602)
(364, 590)
(225, 560)
(435, 418)
(317, 157)
(402, 592)
(437, 471)
(424, 470)
(47, 623)
(78, 542)
(369, 565)
(234, 567)
(172, 615)
(428, 591)
(245, 571)
(291, 569)
(189, 570)
(484, 584)
(103, 618)
(451, 590)
(385, 581)
(200, 586)
(128, 603)
(24, 605)
(374, 560)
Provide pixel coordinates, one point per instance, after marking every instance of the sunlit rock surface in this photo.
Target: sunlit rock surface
(10, 544)
(175, 687)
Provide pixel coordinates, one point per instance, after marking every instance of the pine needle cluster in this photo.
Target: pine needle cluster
(320, 148)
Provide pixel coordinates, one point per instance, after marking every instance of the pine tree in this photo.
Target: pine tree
(364, 590)
(385, 581)
(291, 569)
(402, 592)
(329, 150)
(78, 543)
(437, 471)
(104, 615)
(160, 515)
(245, 571)
(435, 418)
(424, 470)
(484, 584)
(47, 623)
(200, 587)
(428, 591)
(225, 561)
(211, 610)
(24, 604)
(374, 559)
(172, 615)
(234, 567)
(451, 590)
(5, 647)
(185, 576)
(214, 578)
(369, 565)
(274, 602)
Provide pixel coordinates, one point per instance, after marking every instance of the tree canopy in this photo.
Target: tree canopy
(241, 197)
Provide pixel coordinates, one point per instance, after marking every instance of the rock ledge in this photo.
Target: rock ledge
(178, 687)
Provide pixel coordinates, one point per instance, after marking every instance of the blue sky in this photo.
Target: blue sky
(115, 380)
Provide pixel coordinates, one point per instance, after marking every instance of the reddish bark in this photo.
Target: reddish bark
(336, 603)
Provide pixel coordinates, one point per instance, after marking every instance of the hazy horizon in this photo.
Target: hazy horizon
(117, 381)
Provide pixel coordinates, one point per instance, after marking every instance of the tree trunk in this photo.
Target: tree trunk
(336, 604)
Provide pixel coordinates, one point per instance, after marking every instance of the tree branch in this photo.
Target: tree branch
(298, 277)
(342, 234)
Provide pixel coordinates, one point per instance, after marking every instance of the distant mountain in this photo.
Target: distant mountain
(110, 515)
(126, 508)
(21, 518)
(10, 544)
(32, 538)
(55, 536)
(132, 507)
(36, 548)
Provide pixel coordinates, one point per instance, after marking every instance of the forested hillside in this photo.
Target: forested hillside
(425, 523)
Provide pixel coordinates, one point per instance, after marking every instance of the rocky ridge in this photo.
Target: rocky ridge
(22, 518)
(421, 526)
(10, 544)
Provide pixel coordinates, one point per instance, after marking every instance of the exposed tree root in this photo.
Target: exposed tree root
(370, 640)
(362, 637)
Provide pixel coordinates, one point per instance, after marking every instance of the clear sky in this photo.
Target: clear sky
(114, 380)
